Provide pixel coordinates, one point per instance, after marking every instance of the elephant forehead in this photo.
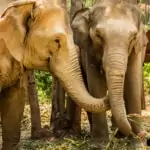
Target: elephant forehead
(49, 32)
(119, 26)
(47, 2)
(48, 17)
(48, 24)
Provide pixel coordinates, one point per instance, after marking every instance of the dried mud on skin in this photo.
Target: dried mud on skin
(73, 143)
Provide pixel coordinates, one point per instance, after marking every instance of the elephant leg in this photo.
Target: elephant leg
(132, 93)
(11, 113)
(36, 129)
(74, 116)
(97, 88)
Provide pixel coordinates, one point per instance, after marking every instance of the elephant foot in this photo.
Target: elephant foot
(63, 127)
(40, 133)
(61, 133)
(137, 143)
(11, 146)
(97, 145)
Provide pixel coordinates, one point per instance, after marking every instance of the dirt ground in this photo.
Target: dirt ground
(80, 143)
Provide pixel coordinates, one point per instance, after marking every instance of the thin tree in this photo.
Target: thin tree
(34, 107)
(58, 117)
(73, 111)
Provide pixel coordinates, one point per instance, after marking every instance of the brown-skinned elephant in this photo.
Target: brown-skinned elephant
(12, 98)
(27, 24)
(94, 78)
(93, 75)
(37, 35)
(112, 32)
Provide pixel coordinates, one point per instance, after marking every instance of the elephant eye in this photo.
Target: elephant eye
(57, 41)
(100, 37)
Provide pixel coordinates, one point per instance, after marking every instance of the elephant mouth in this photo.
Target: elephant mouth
(45, 64)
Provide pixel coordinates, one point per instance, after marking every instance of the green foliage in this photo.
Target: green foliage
(44, 79)
(43, 82)
(141, 1)
(89, 3)
(147, 77)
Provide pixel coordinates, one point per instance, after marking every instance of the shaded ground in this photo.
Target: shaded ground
(74, 143)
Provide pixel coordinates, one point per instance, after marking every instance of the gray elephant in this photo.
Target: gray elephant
(36, 35)
(112, 39)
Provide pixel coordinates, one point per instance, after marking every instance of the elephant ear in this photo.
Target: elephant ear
(141, 40)
(80, 26)
(82, 13)
(13, 27)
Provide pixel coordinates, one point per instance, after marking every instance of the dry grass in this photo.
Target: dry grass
(74, 143)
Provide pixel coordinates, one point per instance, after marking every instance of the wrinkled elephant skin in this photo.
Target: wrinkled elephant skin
(112, 30)
(36, 35)
(56, 53)
(12, 98)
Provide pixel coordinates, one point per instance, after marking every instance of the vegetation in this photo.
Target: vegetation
(146, 69)
(68, 143)
(44, 88)
(44, 84)
(44, 79)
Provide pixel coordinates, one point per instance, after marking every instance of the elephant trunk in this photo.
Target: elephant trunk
(115, 75)
(69, 74)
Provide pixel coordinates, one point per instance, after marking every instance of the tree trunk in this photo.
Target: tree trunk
(73, 111)
(143, 95)
(34, 107)
(74, 116)
(58, 119)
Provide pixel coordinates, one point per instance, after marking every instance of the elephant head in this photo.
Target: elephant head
(116, 32)
(38, 36)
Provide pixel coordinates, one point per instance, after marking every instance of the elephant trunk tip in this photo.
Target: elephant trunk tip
(124, 126)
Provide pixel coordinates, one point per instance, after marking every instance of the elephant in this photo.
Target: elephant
(12, 99)
(93, 76)
(4, 5)
(37, 35)
(112, 37)
(34, 22)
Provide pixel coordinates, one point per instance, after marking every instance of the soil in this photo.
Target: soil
(72, 143)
